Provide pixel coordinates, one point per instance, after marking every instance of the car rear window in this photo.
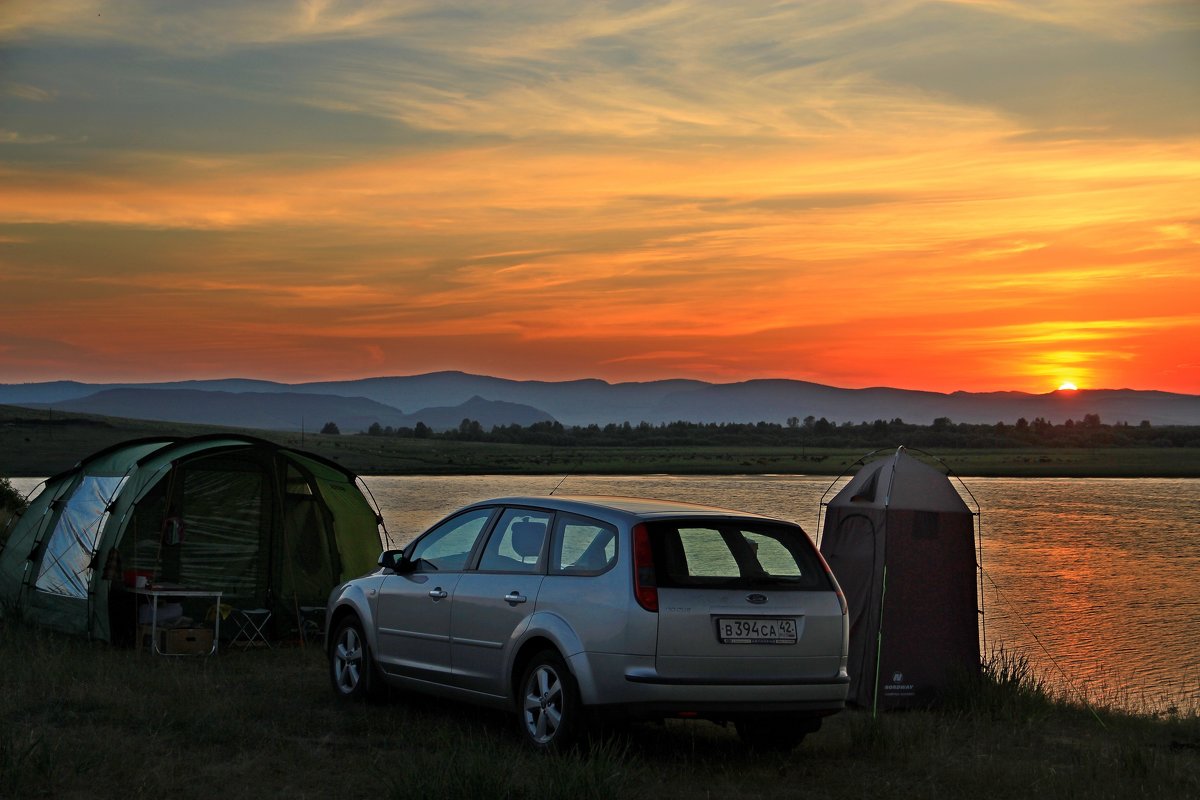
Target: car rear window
(734, 554)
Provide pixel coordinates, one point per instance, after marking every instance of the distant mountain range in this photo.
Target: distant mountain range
(443, 399)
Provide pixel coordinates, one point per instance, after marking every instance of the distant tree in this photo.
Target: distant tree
(1091, 420)
(1022, 424)
(1144, 423)
(470, 429)
(809, 422)
(793, 422)
(942, 423)
(375, 430)
(331, 428)
(422, 431)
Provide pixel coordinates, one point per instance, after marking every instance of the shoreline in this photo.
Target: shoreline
(465, 460)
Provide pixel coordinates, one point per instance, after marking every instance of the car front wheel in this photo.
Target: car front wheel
(548, 708)
(350, 668)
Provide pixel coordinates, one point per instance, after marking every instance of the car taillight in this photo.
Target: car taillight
(832, 580)
(645, 589)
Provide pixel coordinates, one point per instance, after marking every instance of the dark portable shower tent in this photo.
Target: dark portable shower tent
(902, 544)
(269, 526)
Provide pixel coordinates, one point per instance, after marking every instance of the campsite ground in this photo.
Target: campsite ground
(84, 720)
(35, 445)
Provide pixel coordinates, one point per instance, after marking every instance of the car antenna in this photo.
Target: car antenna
(560, 483)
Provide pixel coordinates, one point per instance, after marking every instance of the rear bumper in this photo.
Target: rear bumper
(633, 684)
(642, 675)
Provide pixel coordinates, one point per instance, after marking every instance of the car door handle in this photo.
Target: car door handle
(438, 593)
(514, 598)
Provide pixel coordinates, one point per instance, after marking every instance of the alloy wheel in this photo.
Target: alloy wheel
(543, 706)
(347, 660)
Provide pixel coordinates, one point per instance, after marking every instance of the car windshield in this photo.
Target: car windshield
(734, 554)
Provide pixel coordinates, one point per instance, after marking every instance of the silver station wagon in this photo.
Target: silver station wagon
(566, 609)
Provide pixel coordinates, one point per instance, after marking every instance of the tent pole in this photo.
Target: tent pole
(979, 576)
(879, 647)
(887, 502)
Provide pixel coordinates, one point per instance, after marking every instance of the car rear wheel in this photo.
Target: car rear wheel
(351, 669)
(548, 708)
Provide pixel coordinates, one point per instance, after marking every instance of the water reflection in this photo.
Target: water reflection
(1093, 579)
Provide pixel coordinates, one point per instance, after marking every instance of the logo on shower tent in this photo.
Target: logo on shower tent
(898, 688)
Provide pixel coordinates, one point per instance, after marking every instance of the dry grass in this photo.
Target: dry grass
(84, 720)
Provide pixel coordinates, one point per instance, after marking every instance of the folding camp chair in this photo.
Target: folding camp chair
(251, 627)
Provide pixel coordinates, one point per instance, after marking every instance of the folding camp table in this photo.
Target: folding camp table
(156, 593)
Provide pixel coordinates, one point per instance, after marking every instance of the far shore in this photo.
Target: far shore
(37, 448)
(366, 457)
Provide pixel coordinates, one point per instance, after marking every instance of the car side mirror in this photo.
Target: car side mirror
(393, 560)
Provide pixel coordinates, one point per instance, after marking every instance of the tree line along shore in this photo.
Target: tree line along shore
(33, 445)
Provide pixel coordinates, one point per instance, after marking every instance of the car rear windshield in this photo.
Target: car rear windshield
(734, 554)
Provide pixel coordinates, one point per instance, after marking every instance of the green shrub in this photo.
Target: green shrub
(1007, 687)
(11, 503)
(10, 498)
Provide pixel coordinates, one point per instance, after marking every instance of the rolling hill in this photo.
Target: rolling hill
(442, 399)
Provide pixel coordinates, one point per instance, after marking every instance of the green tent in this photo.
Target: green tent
(269, 526)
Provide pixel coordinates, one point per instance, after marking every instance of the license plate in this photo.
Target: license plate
(756, 630)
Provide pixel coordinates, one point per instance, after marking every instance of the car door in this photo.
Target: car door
(413, 613)
(493, 601)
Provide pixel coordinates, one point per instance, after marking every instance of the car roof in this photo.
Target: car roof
(640, 507)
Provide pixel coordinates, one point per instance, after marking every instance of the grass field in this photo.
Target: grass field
(86, 720)
(32, 445)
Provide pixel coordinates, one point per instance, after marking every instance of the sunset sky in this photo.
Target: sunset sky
(976, 195)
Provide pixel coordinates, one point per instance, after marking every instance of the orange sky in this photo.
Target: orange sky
(942, 196)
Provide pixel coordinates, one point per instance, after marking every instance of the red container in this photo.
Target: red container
(130, 576)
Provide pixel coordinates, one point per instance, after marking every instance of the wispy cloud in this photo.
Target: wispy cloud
(698, 188)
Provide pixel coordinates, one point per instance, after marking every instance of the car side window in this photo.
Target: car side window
(516, 541)
(448, 546)
(582, 546)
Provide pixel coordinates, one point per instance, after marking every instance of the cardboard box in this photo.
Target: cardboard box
(185, 641)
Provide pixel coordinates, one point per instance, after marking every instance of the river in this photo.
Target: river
(1094, 580)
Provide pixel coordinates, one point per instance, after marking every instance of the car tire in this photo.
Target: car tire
(351, 667)
(549, 713)
(771, 735)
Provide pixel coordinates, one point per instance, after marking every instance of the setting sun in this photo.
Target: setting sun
(1067, 386)
(627, 192)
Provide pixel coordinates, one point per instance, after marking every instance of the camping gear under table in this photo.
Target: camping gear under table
(156, 593)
